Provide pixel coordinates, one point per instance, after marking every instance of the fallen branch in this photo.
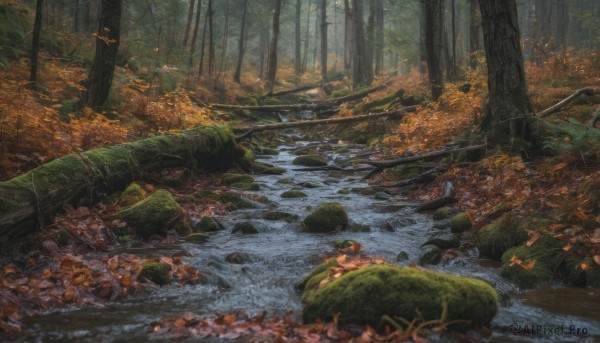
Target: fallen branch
(335, 168)
(596, 117)
(303, 107)
(557, 107)
(279, 126)
(299, 89)
(424, 177)
(446, 199)
(404, 160)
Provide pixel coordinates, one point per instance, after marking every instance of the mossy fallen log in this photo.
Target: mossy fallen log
(27, 200)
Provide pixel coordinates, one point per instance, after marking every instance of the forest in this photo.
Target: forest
(300, 171)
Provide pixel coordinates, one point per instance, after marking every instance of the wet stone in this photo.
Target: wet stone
(430, 254)
(443, 240)
(402, 256)
(245, 228)
(237, 258)
(442, 224)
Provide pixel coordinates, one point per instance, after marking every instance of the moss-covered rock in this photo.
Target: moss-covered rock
(310, 184)
(233, 178)
(293, 194)
(443, 213)
(343, 244)
(155, 215)
(494, 239)
(278, 215)
(430, 254)
(442, 224)
(285, 182)
(460, 223)
(261, 150)
(157, 272)
(267, 169)
(582, 271)
(364, 296)
(327, 217)
(198, 237)
(343, 191)
(247, 161)
(208, 224)
(246, 186)
(245, 228)
(303, 151)
(402, 256)
(546, 255)
(310, 161)
(131, 195)
(443, 240)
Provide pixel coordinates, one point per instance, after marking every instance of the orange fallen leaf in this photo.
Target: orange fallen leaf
(535, 236)
(568, 247)
(597, 259)
(584, 266)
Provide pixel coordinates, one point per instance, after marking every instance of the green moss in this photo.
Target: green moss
(408, 171)
(327, 217)
(247, 162)
(131, 195)
(430, 254)
(156, 272)
(196, 238)
(460, 223)
(155, 215)
(245, 228)
(208, 224)
(342, 150)
(285, 182)
(443, 240)
(311, 282)
(578, 276)
(443, 213)
(267, 169)
(278, 215)
(402, 256)
(246, 186)
(293, 194)
(310, 184)
(355, 227)
(364, 296)
(494, 239)
(344, 243)
(261, 150)
(344, 191)
(341, 93)
(310, 161)
(546, 252)
(231, 178)
(234, 201)
(303, 151)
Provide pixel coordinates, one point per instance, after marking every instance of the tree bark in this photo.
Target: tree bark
(432, 25)
(195, 34)
(75, 26)
(222, 64)
(348, 34)
(202, 46)
(324, 39)
(107, 45)
(188, 24)
(379, 43)
(211, 40)
(35, 45)
(27, 200)
(474, 29)
(508, 112)
(241, 44)
(272, 69)
(362, 73)
(297, 40)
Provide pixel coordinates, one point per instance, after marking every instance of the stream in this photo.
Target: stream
(280, 255)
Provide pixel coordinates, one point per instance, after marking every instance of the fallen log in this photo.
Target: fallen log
(27, 200)
(424, 177)
(314, 106)
(557, 107)
(329, 121)
(298, 89)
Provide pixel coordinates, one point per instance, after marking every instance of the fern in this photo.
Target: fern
(574, 142)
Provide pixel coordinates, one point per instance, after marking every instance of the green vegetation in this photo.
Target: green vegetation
(327, 217)
(157, 272)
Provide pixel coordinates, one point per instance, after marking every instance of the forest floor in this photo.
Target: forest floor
(38, 127)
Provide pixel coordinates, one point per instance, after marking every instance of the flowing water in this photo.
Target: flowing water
(280, 255)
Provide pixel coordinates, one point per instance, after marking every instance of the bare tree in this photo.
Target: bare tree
(195, 34)
(241, 43)
(432, 12)
(324, 39)
(35, 45)
(362, 72)
(272, 68)
(188, 24)
(297, 40)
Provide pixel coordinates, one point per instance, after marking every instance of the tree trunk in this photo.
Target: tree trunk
(107, 45)
(27, 200)
(241, 44)
(306, 41)
(222, 64)
(297, 40)
(272, 69)
(35, 45)
(75, 26)
(211, 40)
(371, 32)
(324, 39)
(432, 25)
(195, 34)
(188, 25)
(379, 43)
(362, 73)
(348, 34)
(474, 29)
(202, 46)
(508, 111)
